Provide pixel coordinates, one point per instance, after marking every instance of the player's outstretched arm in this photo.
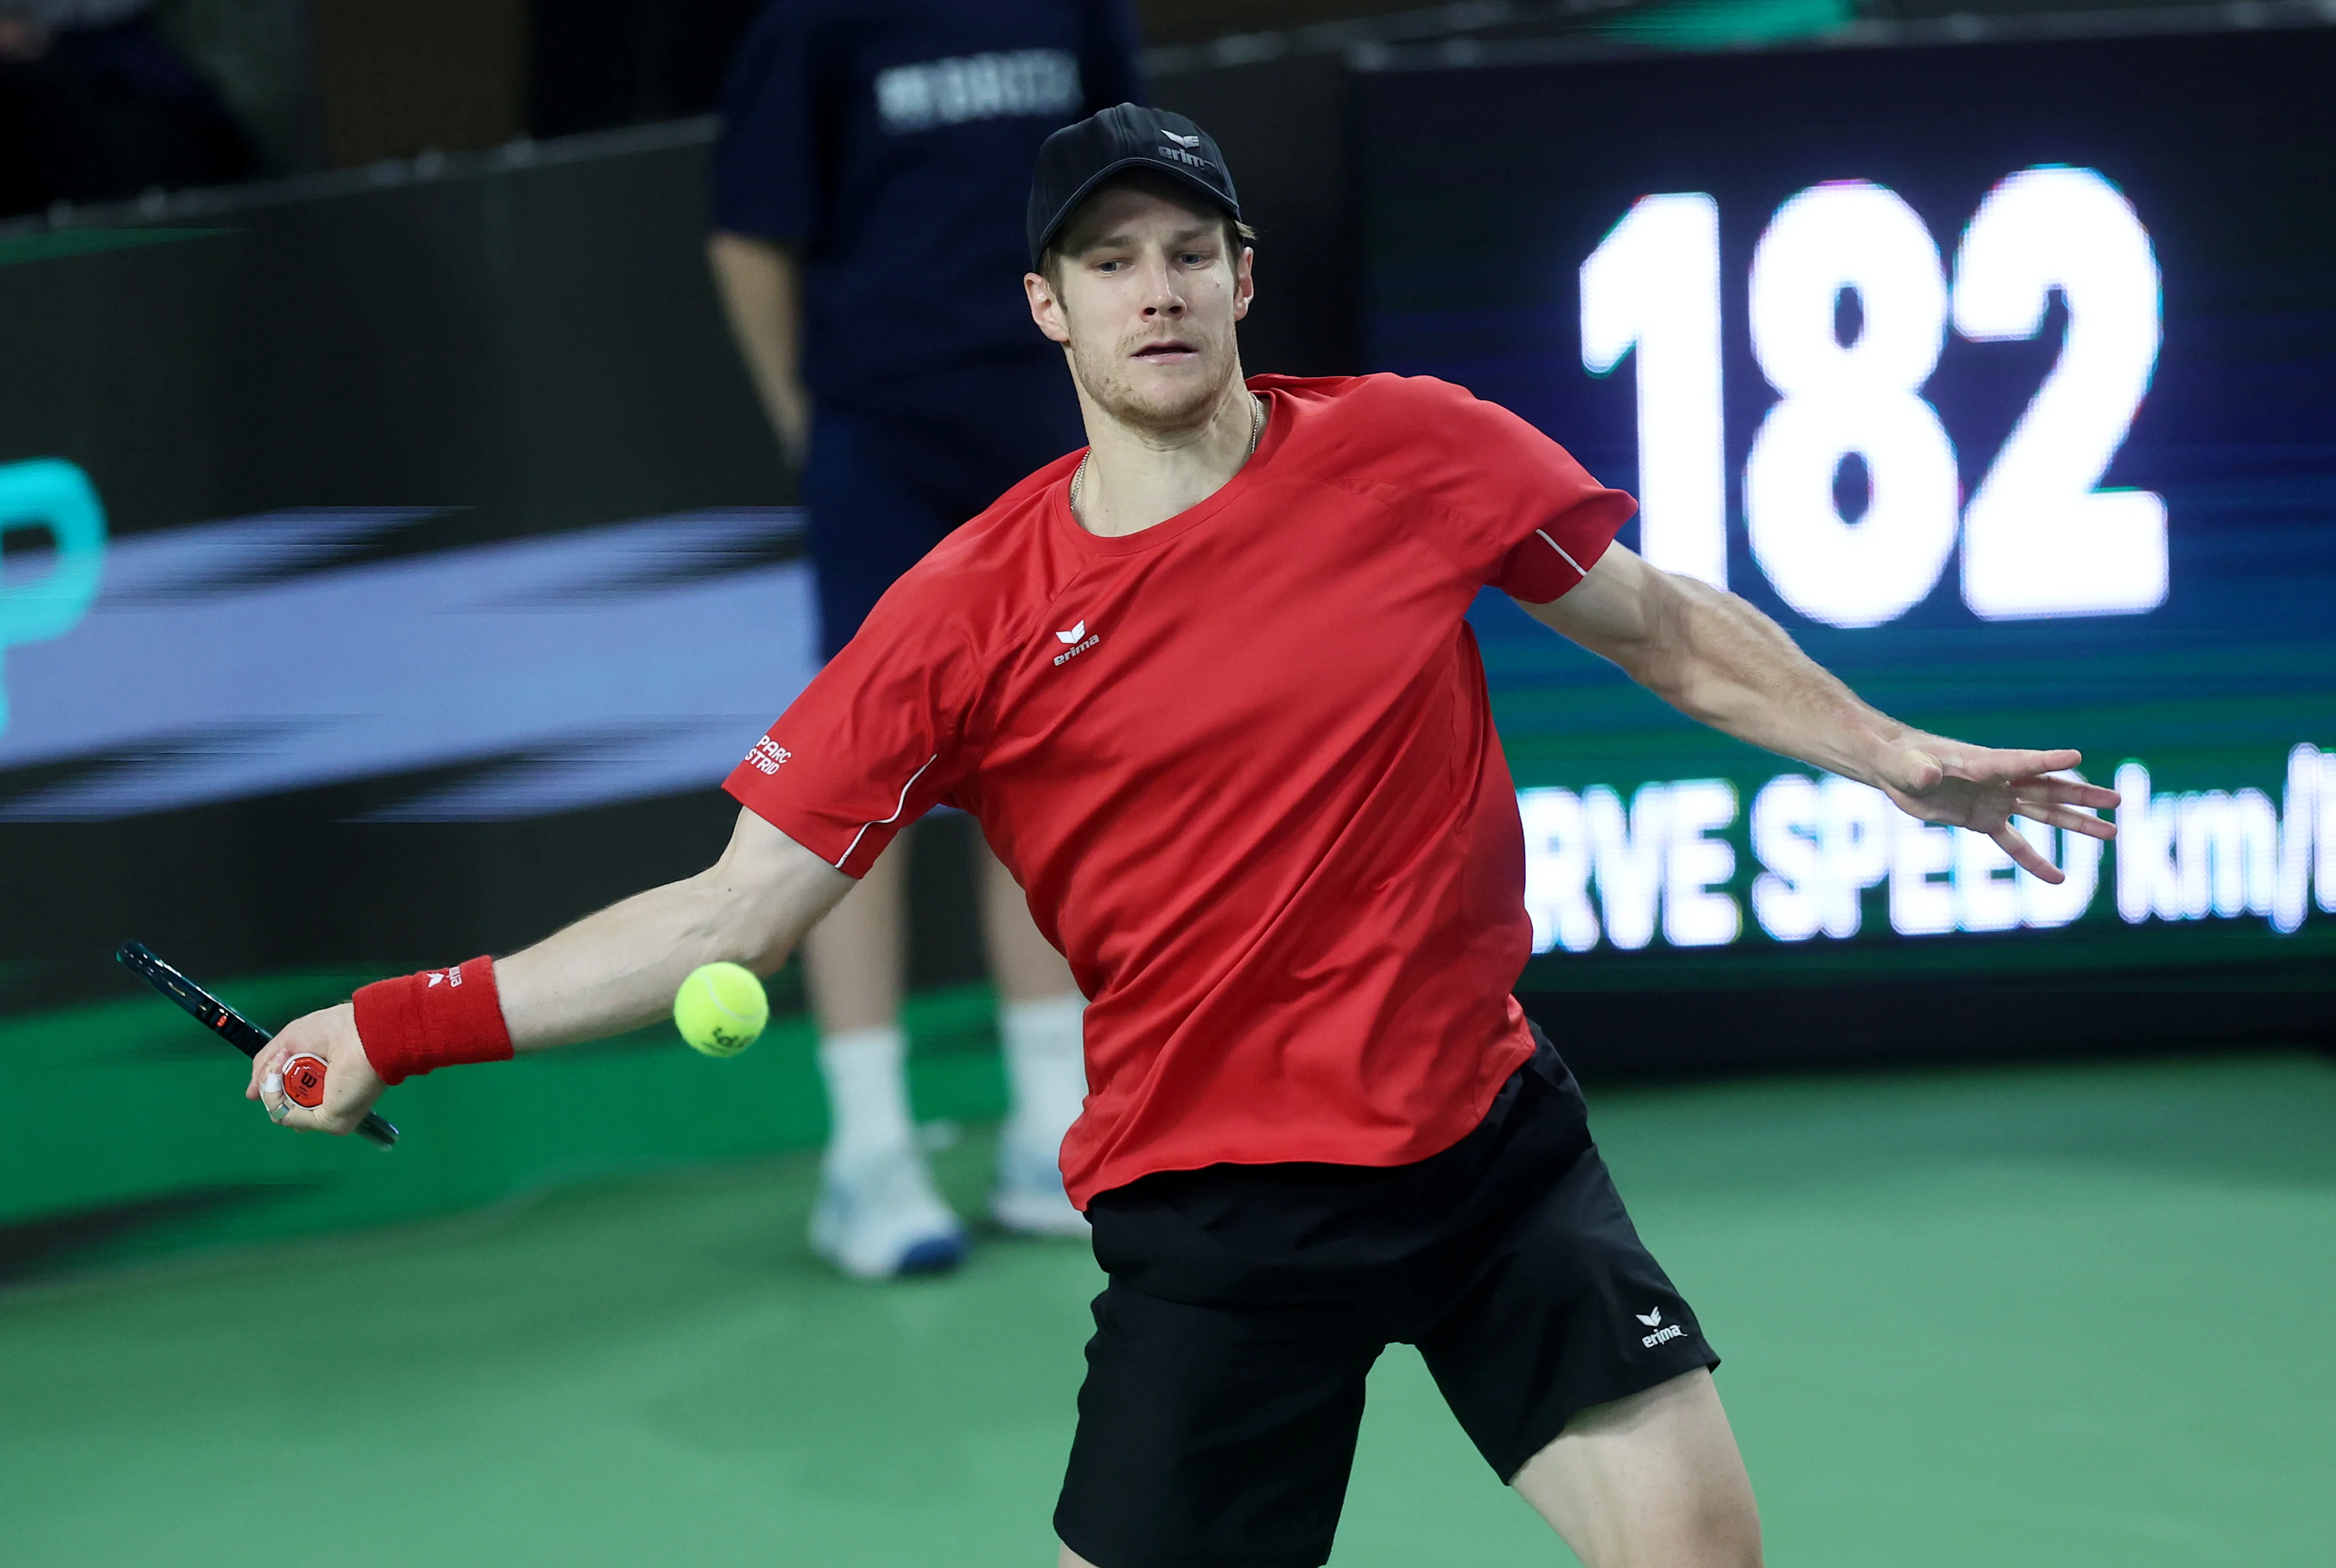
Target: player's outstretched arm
(1717, 659)
(619, 969)
(609, 973)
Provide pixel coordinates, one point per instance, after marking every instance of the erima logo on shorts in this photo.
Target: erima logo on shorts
(1668, 1332)
(768, 755)
(1079, 642)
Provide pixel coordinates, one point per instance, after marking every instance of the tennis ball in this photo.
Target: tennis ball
(720, 1009)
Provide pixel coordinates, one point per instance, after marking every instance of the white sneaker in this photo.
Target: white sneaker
(1029, 1199)
(878, 1217)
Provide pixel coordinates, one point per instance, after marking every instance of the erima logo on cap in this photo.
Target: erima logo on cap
(1181, 141)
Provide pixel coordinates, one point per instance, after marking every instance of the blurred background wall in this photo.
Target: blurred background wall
(315, 85)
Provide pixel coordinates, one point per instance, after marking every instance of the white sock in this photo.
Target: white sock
(1046, 1064)
(867, 1092)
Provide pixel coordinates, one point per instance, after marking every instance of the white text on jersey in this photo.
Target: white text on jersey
(968, 87)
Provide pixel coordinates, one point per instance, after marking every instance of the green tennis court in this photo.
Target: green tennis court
(2066, 1316)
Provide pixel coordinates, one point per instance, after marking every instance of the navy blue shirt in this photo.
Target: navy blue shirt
(889, 143)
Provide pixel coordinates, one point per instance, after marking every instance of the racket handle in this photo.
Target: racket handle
(378, 1132)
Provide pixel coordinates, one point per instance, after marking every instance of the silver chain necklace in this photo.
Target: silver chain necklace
(1256, 433)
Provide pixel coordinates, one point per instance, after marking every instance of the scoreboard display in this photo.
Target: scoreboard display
(2004, 376)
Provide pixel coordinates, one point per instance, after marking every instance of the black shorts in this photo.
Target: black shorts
(1246, 1304)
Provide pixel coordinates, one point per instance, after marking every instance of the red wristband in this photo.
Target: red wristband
(437, 1019)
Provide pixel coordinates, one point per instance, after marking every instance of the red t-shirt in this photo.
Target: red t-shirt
(1244, 765)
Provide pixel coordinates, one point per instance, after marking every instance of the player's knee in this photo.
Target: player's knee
(1725, 1529)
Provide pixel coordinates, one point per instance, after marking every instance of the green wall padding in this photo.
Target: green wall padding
(123, 1131)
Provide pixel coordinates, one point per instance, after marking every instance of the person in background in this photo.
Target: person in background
(95, 106)
(868, 187)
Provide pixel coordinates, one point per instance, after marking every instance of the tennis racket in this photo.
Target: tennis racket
(241, 1033)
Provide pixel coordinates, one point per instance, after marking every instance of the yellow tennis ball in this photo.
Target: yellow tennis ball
(720, 1009)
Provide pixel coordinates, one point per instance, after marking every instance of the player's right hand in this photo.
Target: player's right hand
(350, 1085)
(1938, 780)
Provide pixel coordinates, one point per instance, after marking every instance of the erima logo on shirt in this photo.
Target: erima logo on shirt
(1672, 1331)
(1079, 642)
(768, 755)
(967, 87)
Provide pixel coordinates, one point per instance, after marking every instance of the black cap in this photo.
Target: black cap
(1078, 157)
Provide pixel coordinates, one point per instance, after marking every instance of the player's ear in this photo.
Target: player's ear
(1045, 309)
(1244, 283)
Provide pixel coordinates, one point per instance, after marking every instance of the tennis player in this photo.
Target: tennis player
(1209, 688)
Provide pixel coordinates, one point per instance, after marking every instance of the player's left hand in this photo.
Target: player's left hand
(1940, 780)
(350, 1085)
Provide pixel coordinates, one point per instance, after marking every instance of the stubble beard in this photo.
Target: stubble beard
(1110, 381)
